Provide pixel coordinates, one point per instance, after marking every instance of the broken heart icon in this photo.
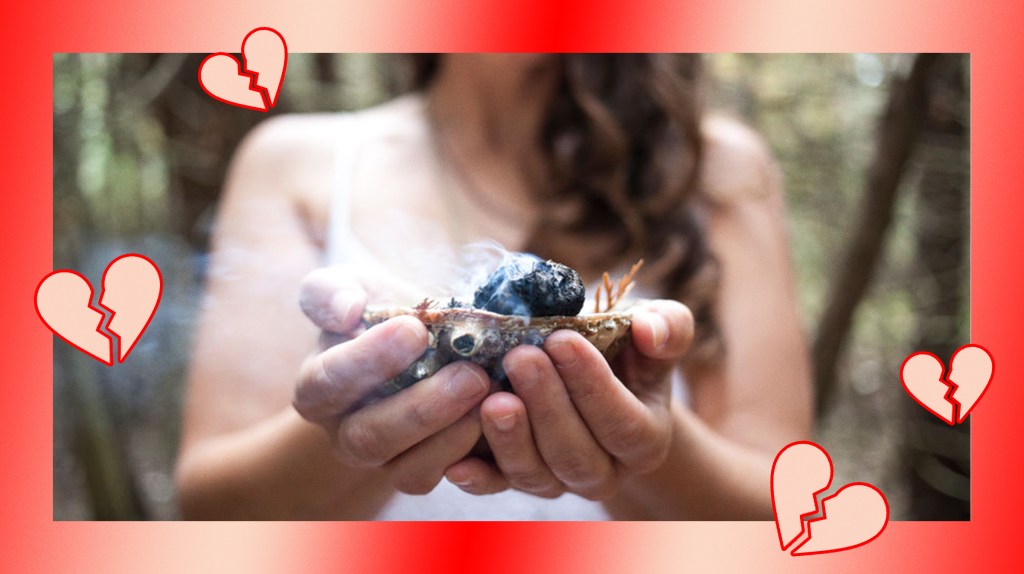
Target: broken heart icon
(255, 82)
(953, 397)
(131, 291)
(855, 515)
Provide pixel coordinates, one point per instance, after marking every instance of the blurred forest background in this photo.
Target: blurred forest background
(875, 154)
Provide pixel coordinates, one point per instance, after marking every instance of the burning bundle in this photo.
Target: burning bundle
(522, 302)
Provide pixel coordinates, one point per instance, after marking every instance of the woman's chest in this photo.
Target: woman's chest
(406, 210)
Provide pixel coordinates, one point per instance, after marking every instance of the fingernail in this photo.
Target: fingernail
(563, 354)
(505, 423)
(344, 305)
(659, 329)
(408, 340)
(466, 384)
(523, 371)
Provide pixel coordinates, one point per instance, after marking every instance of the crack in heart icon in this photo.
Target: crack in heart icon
(855, 515)
(131, 290)
(254, 83)
(952, 397)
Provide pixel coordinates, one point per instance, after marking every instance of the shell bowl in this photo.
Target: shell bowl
(483, 337)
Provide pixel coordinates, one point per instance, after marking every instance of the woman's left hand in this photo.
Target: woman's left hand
(576, 425)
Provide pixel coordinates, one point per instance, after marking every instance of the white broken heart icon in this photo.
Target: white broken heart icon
(953, 397)
(131, 289)
(855, 515)
(255, 82)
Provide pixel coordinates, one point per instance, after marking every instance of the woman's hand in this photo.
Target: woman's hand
(415, 434)
(576, 425)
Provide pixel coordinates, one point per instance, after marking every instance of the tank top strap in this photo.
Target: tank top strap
(342, 244)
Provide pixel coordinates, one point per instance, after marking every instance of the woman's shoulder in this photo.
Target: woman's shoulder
(737, 164)
(298, 152)
(311, 137)
(287, 144)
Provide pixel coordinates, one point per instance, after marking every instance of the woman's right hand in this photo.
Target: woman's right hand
(413, 435)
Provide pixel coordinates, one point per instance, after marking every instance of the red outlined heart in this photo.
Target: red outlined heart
(254, 83)
(131, 290)
(952, 397)
(855, 515)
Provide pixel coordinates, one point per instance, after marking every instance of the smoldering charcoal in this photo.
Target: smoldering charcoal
(521, 303)
(525, 285)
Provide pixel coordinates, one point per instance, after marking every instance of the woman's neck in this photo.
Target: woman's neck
(493, 104)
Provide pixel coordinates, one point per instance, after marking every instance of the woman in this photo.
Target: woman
(593, 161)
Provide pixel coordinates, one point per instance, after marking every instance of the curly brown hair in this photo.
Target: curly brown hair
(622, 139)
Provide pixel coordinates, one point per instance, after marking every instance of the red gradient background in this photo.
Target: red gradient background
(32, 542)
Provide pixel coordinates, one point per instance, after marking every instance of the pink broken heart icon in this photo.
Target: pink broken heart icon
(255, 82)
(952, 397)
(132, 286)
(855, 515)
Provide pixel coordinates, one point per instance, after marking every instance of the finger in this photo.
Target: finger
(662, 330)
(377, 433)
(505, 424)
(475, 476)
(419, 469)
(619, 420)
(333, 300)
(333, 381)
(561, 436)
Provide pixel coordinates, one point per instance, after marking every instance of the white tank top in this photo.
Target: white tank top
(447, 501)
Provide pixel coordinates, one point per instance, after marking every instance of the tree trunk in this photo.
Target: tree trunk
(938, 455)
(898, 131)
(202, 134)
(105, 468)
